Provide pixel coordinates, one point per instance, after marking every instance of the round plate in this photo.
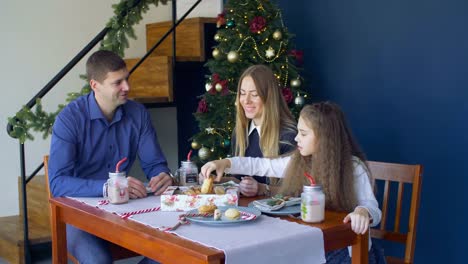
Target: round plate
(286, 210)
(209, 220)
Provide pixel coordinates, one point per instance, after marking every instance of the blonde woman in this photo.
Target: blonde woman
(264, 125)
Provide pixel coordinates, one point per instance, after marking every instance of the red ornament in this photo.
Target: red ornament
(257, 24)
(298, 56)
(287, 94)
(202, 106)
(220, 20)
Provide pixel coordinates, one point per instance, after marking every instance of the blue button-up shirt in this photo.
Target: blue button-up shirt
(85, 146)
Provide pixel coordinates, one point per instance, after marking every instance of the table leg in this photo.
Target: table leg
(59, 236)
(361, 249)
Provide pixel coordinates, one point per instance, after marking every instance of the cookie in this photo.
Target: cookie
(232, 213)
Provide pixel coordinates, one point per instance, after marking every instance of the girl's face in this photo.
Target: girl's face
(250, 100)
(306, 139)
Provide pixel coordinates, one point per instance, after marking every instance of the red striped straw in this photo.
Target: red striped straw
(189, 155)
(117, 167)
(311, 179)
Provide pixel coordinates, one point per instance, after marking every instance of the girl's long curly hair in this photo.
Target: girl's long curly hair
(332, 163)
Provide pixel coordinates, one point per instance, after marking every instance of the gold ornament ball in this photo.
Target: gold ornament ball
(299, 100)
(232, 56)
(204, 153)
(277, 35)
(218, 87)
(295, 83)
(216, 54)
(208, 86)
(195, 145)
(217, 37)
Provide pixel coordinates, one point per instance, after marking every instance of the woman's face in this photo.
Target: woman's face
(306, 139)
(250, 100)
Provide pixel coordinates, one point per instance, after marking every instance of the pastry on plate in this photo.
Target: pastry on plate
(207, 209)
(219, 190)
(232, 213)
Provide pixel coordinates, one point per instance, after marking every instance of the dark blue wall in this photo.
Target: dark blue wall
(399, 69)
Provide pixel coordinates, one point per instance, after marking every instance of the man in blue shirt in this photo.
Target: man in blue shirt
(89, 137)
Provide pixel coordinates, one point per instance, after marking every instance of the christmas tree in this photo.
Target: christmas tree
(249, 32)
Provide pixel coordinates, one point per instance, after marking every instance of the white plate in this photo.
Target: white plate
(250, 214)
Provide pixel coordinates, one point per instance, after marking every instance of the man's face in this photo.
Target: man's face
(113, 91)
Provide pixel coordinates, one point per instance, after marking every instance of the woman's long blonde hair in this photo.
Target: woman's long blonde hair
(275, 115)
(332, 163)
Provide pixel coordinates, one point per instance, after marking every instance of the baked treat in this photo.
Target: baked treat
(232, 213)
(207, 186)
(219, 190)
(217, 214)
(207, 209)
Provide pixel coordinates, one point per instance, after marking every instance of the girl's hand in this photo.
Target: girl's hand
(248, 186)
(359, 220)
(217, 165)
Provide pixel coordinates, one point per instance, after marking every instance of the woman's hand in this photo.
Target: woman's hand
(217, 165)
(359, 220)
(248, 186)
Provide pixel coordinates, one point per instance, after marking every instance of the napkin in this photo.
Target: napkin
(263, 205)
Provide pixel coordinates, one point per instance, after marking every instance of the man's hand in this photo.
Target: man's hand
(248, 186)
(159, 183)
(359, 220)
(136, 188)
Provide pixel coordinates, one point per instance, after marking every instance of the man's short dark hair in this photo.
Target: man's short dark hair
(101, 62)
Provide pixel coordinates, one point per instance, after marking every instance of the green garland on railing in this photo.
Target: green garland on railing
(121, 27)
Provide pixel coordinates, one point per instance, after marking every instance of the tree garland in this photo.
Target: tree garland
(127, 14)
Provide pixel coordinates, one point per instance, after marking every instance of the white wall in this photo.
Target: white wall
(37, 38)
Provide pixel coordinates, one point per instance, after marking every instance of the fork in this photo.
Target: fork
(182, 221)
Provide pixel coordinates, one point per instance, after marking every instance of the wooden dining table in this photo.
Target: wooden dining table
(170, 248)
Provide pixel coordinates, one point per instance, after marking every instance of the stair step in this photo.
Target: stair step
(190, 38)
(11, 227)
(152, 80)
(11, 237)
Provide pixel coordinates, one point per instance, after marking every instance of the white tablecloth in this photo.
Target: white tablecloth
(264, 240)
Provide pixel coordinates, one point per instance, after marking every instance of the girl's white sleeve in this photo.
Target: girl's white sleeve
(258, 166)
(365, 193)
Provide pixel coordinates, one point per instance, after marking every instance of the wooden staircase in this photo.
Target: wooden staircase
(152, 83)
(11, 227)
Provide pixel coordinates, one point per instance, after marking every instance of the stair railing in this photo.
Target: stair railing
(55, 80)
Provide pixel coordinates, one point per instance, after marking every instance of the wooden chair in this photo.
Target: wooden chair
(117, 251)
(400, 173)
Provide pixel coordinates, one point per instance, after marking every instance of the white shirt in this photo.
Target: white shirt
(277, 167)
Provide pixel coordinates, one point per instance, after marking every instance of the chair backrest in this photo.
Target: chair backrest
(46, 174)
(401, 174)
